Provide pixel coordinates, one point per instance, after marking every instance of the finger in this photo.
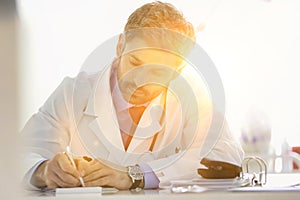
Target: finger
(103, 181)
(82, 165)
(53, 181)
(61, 179)
(96, 175)
(51, 184)
(67, 178)
(58, 181)
(65, 165)
(96, 166)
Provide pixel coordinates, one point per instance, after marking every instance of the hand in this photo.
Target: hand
(104, 174)
(57, 172)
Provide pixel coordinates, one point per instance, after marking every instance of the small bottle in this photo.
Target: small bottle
(287, 160)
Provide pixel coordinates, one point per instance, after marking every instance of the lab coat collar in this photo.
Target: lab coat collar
(105, 124)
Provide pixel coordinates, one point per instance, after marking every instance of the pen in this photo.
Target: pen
(68, 153)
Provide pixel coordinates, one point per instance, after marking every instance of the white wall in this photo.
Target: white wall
(255, 45)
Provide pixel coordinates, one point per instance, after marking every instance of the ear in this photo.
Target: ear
(120, 45)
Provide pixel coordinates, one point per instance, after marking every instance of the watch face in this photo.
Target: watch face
(135, 172)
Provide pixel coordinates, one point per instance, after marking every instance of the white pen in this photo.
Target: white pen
(68, 153)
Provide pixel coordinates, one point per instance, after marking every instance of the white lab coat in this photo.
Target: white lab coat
(80, 113)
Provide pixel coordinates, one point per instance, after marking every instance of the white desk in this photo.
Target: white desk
(277, 179)
(154, 195)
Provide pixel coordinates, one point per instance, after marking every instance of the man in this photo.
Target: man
(136, 124)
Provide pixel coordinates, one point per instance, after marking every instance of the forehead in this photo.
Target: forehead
(148, 53)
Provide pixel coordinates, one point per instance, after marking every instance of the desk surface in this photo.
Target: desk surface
(276, 179)
(155, 195)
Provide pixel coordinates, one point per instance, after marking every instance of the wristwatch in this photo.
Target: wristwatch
(137, 176)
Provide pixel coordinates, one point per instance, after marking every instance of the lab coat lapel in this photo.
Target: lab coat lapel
(148, 126)
(105, 125)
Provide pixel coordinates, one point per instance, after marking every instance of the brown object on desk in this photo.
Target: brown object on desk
(296, 150)
(218, 169)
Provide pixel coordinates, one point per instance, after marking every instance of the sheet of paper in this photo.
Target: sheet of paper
(211, 183)
(264, 189)
(283, 179)
(275, 183)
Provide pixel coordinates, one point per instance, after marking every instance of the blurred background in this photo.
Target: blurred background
(254, 44)
(9, 115)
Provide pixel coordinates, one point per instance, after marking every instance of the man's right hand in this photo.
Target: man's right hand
(57, 172)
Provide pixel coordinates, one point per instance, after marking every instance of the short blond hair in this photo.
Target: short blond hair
(160, 15)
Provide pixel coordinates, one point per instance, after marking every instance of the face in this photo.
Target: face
(144, 72)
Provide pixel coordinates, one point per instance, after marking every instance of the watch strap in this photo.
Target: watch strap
(136, 184)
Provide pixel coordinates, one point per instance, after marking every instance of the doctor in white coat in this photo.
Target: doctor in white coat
(138, 123)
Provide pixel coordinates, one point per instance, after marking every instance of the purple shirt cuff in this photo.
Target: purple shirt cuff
(151, 180)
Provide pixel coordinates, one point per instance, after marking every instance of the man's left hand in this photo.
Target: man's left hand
(104, 174)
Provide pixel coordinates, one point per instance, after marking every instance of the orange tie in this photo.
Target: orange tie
(136, 113)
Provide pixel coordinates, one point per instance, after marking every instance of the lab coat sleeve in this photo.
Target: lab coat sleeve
(47, 132)
(27, 178)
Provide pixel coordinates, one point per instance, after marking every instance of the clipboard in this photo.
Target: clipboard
(255, 178)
